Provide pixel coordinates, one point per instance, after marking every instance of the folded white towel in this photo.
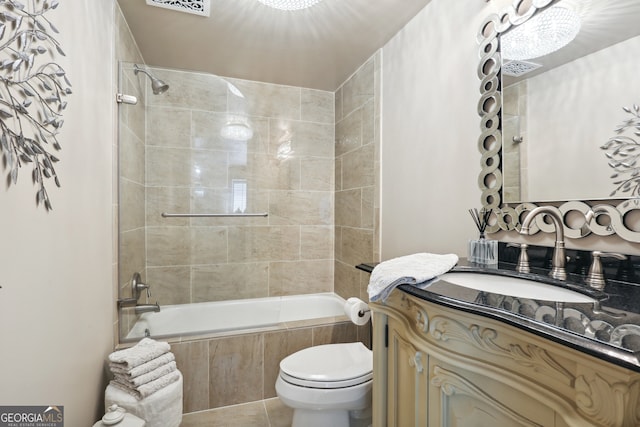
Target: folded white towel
(149, 388)
(119, 369)
(146, 350)
(409, 269)
(145, 378)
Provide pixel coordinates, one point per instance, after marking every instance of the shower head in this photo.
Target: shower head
(157, 85)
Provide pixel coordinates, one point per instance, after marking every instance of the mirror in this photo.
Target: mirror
(545, 119)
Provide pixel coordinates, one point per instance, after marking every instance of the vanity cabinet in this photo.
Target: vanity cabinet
(437, 366)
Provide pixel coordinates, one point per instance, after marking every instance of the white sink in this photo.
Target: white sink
(515, 287)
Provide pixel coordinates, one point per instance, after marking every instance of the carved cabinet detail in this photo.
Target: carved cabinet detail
(436, 366)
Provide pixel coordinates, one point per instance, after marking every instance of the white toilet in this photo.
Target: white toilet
(327, 385)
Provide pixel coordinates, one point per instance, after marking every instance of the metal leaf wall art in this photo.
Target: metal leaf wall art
(623, 152)
(33, 89)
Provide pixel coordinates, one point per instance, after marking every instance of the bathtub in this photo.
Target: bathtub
(228, 316)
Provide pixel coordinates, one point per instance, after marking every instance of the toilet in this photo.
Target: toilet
(328, 385)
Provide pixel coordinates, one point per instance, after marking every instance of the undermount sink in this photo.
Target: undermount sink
(515, 287)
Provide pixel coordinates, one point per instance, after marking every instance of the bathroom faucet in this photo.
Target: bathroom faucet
(558, 261)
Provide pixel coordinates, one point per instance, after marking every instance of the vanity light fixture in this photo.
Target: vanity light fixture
(546, 32)
(289, 4)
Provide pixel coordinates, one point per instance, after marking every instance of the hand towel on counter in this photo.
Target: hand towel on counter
(146, 350)
(134, 382)
(145, 390)
(409, 269)
(144, 368)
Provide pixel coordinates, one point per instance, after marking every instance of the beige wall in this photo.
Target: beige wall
(56, 310)
(430, 161)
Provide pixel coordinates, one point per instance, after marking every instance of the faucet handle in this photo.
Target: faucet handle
(137, 286)
(595, 278)
(523, 259)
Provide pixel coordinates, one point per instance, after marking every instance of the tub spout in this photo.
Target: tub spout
(145, 308)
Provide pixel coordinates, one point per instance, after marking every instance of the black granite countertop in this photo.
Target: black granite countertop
(608, 328)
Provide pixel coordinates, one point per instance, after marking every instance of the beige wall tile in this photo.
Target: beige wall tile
(206, 127)
(168, 166)
(267, 100)
(349, 133)
(207, 200)
(302, 138)
(208, 169)
(300, 277)
(192, 359)
(263, 171)
(166, 199)
(338, 171)
(230, 281)
(349, 208)
(347, 280)
(336, 333)
(316, 174)
(132, 254)
(277, 346)
(131, 156)
(357, 245)
(359, 88)
(208, 245)
(168, 127)
(368, 209)
(338, 105)
(192, 90)
(132, 196)
(357, 167)
(169, 285)
(168, 246)
(301, 208)
(236, 370)
(316, 242)
(317, 106)
(268, 243)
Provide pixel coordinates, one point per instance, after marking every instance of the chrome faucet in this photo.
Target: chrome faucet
(559, 258)
(145, 308)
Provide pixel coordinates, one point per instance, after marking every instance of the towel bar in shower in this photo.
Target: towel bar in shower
(211, 215)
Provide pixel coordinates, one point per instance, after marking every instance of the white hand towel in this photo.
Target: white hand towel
(119, 369)
(145, 378)
(148, 389)
(146, 350)
(410, 269)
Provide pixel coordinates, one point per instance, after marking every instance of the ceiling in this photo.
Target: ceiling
(317, 48)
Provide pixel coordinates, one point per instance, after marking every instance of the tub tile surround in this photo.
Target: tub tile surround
(222, 371)
(357, 147)
(288, 168)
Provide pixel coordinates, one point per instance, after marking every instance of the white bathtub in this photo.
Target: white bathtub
(224, 316)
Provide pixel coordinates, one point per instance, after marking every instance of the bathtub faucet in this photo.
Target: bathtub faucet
(145, 308)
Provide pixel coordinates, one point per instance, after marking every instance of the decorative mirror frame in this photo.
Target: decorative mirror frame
(508, 217)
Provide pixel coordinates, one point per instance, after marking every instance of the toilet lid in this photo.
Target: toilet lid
(328, 366)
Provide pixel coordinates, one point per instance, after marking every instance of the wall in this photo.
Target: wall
(357, 166)
(56, 311)
(430, 127)
(287, 167)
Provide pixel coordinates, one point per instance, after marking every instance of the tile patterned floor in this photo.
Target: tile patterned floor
(264, 413)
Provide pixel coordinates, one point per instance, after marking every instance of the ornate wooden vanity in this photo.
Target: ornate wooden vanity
(436, 365)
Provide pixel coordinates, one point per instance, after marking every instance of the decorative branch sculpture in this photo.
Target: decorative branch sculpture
(623, 152)
(32, 92)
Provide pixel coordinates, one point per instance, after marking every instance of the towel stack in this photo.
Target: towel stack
(143, 369)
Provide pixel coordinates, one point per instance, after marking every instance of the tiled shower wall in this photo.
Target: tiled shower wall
(357, 177)
(287, 168)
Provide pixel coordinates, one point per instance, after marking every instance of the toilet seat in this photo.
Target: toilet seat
(328, 366)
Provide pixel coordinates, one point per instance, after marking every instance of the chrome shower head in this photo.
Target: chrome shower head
(157, 85)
